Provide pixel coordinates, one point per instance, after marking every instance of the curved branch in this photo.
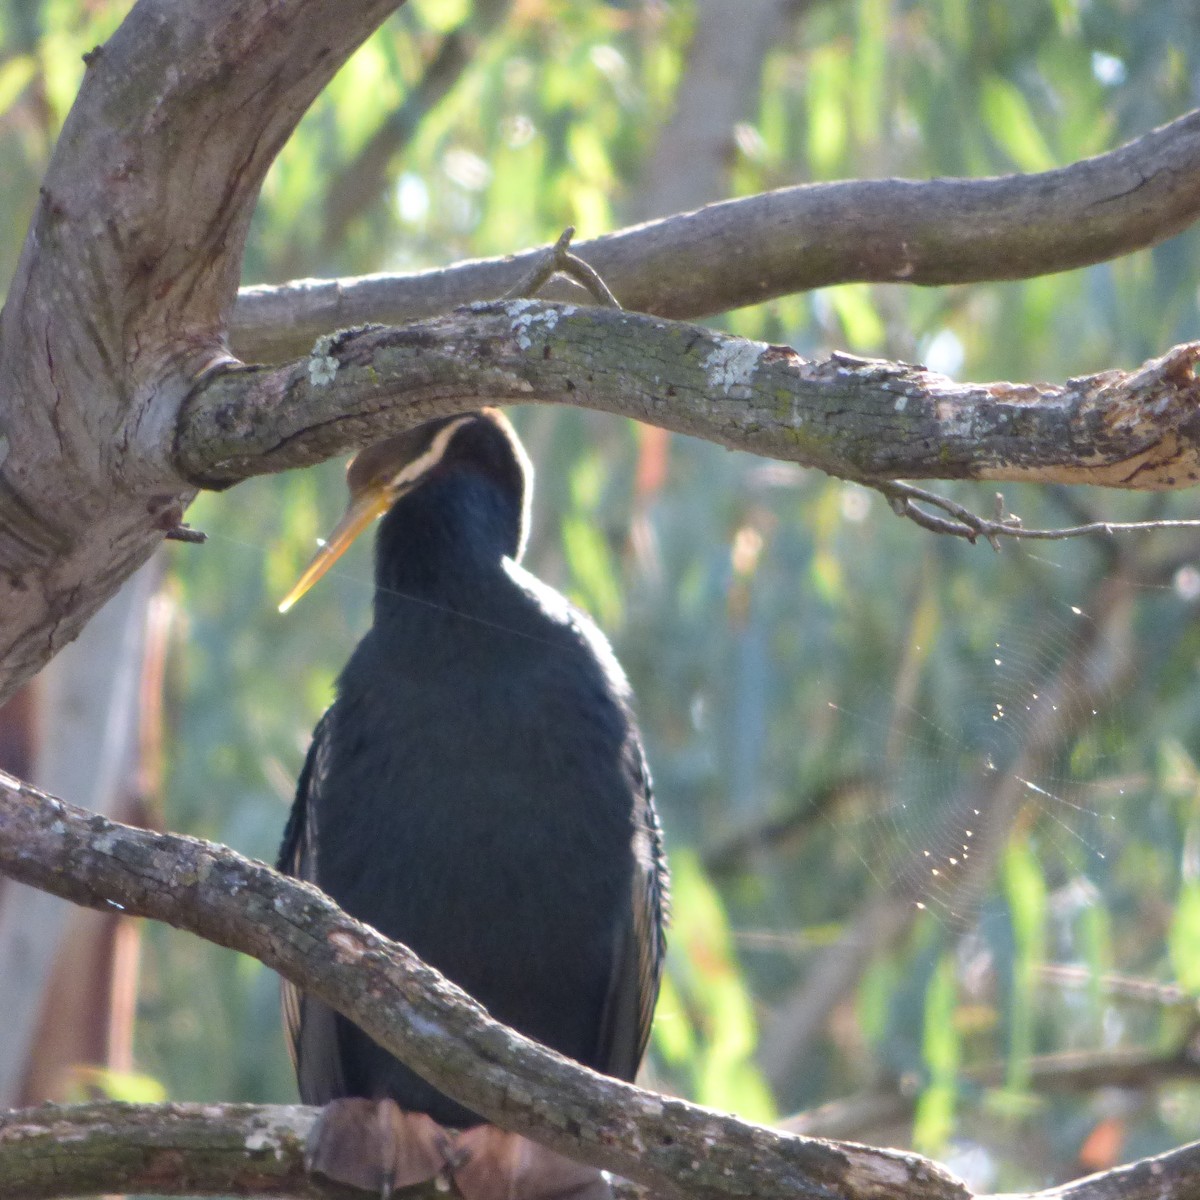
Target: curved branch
(125, 283)
(675, 1148)
(930, 232)
(858, 418)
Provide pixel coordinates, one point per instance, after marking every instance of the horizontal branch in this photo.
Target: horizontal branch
(723, 256)
(54, 1153)
(675, 1148)
(166, 1149)
(852, 417)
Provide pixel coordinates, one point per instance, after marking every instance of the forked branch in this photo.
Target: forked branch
(675, 1148)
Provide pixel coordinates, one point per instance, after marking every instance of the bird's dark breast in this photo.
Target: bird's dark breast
(460, 818)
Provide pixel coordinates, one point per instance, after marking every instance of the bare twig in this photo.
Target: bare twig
(905, 500)
(185, 533)
(558, 260)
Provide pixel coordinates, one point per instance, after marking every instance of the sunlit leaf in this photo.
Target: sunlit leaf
(708, 976)
(829, 76)
(441, 15)
(15, 75)
(860, 319)
(1025, 891)
(129, 1087)
(592, 569)
(1183, 938)
(870, 67)
(1011, 123)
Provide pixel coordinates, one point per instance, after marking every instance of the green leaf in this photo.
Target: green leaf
(870, 67)
(855, 308)
(828, 79)
(673, 1033)
(1183, 938)
(592, 570)
(441, 15)
(1025, 891)
(1012, 125)
(940, 1044)
(14, 76)
(711, 984)
(933, 1121)
(130, 1087)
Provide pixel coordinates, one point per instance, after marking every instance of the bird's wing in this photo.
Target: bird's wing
(309, 1026)
(640, 941)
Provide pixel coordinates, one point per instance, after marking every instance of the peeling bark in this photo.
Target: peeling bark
(675, 1148)
(119, 309)
(857, 418)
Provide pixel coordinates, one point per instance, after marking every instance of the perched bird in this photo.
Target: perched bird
(478, 792)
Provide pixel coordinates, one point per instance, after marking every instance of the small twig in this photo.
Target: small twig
(905, 499)
(185, 533)
(558, 260)
(589, 277)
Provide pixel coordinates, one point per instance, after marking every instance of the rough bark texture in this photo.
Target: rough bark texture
(853, 417)
(123, 289)
(168, 1149)
(50, 1153)
(930, 232)
(121, 400)
(675, 1148)
(121, 300)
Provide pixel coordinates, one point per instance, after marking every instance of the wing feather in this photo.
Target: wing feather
(640, 940)
(309, 1026)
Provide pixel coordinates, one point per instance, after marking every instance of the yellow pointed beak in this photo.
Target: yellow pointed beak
(362, 511)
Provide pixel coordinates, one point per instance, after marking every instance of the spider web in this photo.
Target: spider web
(1005, 723)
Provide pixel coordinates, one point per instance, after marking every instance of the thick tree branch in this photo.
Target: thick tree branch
(929, 232)
(675, 1148)
(852, 417)
(54, 1153)
(58, 1152)
(120, 304)
(167, 1149)
(124, 286)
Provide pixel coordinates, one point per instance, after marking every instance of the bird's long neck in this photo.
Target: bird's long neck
(445, 540)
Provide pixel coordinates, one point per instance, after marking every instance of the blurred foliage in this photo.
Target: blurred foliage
(813, 674)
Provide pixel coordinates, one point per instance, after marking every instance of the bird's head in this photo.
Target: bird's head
(384, 473)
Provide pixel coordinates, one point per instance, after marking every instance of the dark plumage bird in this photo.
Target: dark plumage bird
(476, 791)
